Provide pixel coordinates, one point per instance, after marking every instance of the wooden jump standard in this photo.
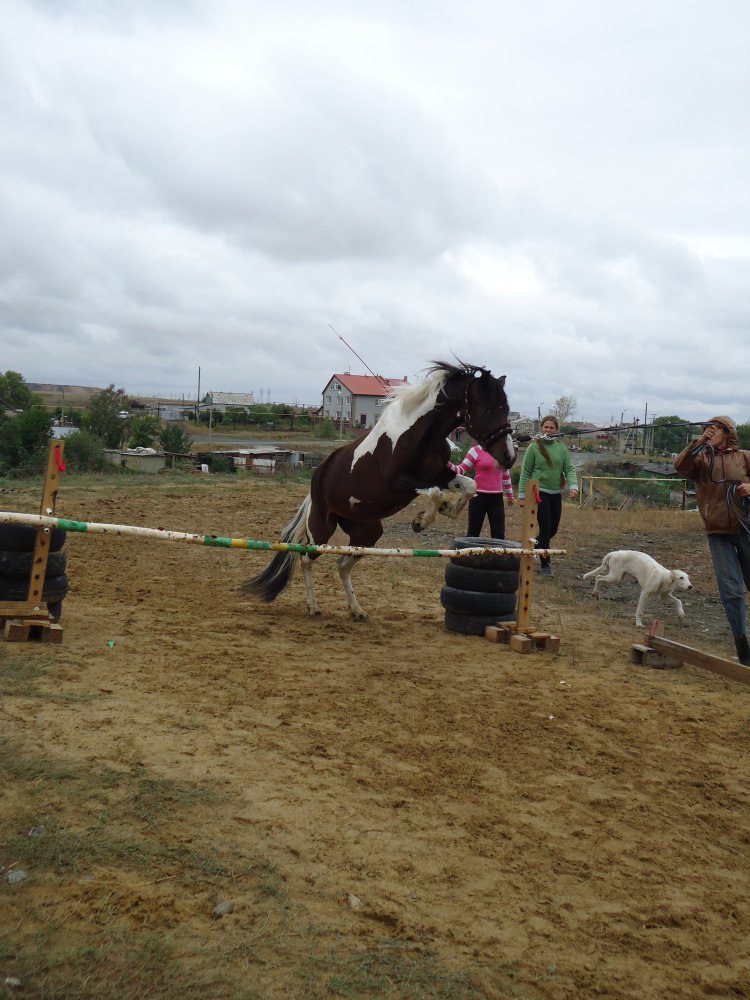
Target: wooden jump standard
(519, 635)
(30, 618)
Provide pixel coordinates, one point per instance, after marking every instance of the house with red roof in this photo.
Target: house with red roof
(357, 400)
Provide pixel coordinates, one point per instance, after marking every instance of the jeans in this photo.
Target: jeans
(548, 517)
(491, 504)
(731, 559)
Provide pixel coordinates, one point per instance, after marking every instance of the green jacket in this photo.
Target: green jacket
(550, 476)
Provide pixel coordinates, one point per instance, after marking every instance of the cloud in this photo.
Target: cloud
(557, 192)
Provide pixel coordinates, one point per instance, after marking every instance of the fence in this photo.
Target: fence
(658, 492)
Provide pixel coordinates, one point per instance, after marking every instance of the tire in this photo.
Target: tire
(506, 562)
(473, 624)
(486, 581)
(18, 564)
(471, 602)
(55, 588)
(21, 538)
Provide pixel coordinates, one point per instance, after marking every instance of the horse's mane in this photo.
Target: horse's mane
(409, 398)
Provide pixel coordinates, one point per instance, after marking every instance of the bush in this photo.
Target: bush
(84, 452)
(144, 431)
(327, 430)
(175, 440)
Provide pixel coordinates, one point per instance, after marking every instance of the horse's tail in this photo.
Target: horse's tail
(277, 575)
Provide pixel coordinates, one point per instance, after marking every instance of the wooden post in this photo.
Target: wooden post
(530, 529)
(33, 611)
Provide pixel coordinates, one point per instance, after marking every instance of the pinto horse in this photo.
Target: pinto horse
(403, 456)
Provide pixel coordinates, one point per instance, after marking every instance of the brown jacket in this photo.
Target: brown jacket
(729, 465)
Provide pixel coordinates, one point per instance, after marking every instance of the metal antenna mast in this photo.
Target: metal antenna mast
(378, 377)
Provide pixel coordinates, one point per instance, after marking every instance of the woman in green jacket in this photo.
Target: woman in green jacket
(548, 460)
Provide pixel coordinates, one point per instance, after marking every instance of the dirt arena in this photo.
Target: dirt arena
(391, 810)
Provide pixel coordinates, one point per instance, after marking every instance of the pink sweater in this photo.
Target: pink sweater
(489, 478)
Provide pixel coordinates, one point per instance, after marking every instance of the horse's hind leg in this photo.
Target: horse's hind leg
(359, 534)
(345, 565)
(312, 605)
(320, 527)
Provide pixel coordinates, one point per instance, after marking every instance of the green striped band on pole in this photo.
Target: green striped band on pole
(220, 542)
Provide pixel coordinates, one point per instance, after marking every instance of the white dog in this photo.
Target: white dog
(652, 576)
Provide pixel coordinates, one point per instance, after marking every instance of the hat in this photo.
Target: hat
(729, 426)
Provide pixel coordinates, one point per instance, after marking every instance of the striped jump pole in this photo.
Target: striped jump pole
(220, 542)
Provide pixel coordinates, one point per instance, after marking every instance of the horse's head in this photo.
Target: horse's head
(486, 413)
(484, 409)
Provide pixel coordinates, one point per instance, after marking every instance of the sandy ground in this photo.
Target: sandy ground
(566, 825)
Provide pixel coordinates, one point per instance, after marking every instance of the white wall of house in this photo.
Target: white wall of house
(359, 411)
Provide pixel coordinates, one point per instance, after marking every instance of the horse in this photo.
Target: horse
(405, 455)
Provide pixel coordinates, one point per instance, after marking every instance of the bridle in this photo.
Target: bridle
(485, 440)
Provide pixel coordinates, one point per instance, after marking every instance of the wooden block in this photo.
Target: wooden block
(637, 652)
(496, 633)
(550, 643)
(15, 631)
(649, 657)
(521, 643)
(52, 633)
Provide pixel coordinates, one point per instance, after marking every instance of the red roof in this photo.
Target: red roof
(368, 385)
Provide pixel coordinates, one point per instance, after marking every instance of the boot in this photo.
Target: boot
(743, 649)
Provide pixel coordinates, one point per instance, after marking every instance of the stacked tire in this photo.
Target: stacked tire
(480, 590)
(16, 563)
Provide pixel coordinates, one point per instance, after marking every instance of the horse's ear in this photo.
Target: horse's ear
(501, 381)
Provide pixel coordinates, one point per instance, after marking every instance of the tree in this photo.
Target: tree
(14, 391)
(144, 431)
(564, 408)
(175, 439)
(743, 433)
(104, 418)
(669, 439)
(24, 441)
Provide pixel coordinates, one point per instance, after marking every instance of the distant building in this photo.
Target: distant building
(220, 402)
(357, 400)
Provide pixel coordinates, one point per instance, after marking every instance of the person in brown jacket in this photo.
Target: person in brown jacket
(721, 472)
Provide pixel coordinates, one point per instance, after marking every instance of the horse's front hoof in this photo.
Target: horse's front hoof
(416, 525)
(315, 613)
(360, 616)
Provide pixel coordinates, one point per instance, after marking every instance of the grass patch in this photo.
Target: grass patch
(397, 968)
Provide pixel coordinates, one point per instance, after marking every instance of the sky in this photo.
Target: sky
(559, 191)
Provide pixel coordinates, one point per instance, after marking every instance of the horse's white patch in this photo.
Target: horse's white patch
(405, 406)
(433, 492)
(353, 500)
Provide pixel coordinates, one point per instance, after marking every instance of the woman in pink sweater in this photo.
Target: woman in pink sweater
(492, 482)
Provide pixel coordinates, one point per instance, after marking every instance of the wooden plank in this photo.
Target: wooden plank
(697, 658)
